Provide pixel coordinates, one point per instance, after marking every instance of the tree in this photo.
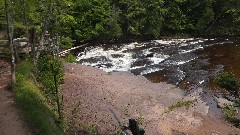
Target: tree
(113, 27)
(154, 17)
(176, 19)
(2, 15)
(207, 17)
(91, 17)
(10, 40)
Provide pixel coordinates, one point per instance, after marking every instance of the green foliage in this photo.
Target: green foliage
(29, 97)
(230, 112)
(228, 81)
(50, 74)
(66, 42)
(154, 17)
(208, 16)
(140, 120)
(133, 16)
(175, 19)
(45, 72)
(94, 130)
(2, 15)
(179, 104)
(91, 17)
(113, 26)
(89, 20)
(70, 58)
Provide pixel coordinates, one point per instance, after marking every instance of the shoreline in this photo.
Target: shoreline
(109, 100)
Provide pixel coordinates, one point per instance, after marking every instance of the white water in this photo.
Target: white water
(125, 56)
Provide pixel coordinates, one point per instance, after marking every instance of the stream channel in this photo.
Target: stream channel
(189, 64)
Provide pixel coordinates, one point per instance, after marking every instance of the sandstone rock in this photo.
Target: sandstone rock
(221, 102)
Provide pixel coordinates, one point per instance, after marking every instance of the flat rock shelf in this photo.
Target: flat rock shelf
(108, 100)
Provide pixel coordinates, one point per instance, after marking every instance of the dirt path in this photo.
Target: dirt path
(109, 100)
(11, 119)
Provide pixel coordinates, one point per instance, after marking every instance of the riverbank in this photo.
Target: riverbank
(11, 117)
(108, 100)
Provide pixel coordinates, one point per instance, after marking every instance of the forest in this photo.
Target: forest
(80, 21)
(41, 79)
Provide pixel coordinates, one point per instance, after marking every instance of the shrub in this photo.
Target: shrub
(29, 97)
(228, 81)
(181, 103)
(70, 58)
(230, 112)
(50, 74)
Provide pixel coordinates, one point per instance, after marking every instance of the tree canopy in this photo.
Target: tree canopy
(89, 20)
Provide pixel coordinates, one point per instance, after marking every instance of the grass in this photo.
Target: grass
(4, 50)
(94, 130)
(140, 120)
(230, 113)
(30, 99)
(179, 104)
(126, 112)
(228, 81)
(109, 73)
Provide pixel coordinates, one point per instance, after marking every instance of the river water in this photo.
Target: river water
(182, 62)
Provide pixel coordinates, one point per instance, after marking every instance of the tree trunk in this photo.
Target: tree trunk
(10, 40)
(57, 93)
(33, 31)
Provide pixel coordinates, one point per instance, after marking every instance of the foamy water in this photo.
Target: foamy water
(146, 57)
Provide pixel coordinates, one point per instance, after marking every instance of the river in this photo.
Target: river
(182, 62)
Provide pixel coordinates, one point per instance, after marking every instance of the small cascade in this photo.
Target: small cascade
(178, 61)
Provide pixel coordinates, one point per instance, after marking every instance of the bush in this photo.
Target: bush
(50, 74)
(70, 58)
(47, 66)
(230, 113)
(228, 81)
(181, 103)
(30, 99)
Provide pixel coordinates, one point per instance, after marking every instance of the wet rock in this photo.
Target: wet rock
(221, 102)
(150, 55)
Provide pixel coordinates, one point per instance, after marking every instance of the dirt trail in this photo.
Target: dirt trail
(11, 119)
(109, 100)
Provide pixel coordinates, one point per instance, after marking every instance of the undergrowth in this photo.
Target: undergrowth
(179, 104)
(70, 58)
(29, 97)
(228, 81)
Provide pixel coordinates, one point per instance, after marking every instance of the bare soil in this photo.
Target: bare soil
(11, 118)
(108, 100)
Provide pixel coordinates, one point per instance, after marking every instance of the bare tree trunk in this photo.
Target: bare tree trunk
(10, 40)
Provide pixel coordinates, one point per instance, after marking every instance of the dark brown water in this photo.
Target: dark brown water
(184, 63)
(226, 55)
(211, 60)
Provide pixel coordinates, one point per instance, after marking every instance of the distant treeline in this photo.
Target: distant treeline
(89, 20)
